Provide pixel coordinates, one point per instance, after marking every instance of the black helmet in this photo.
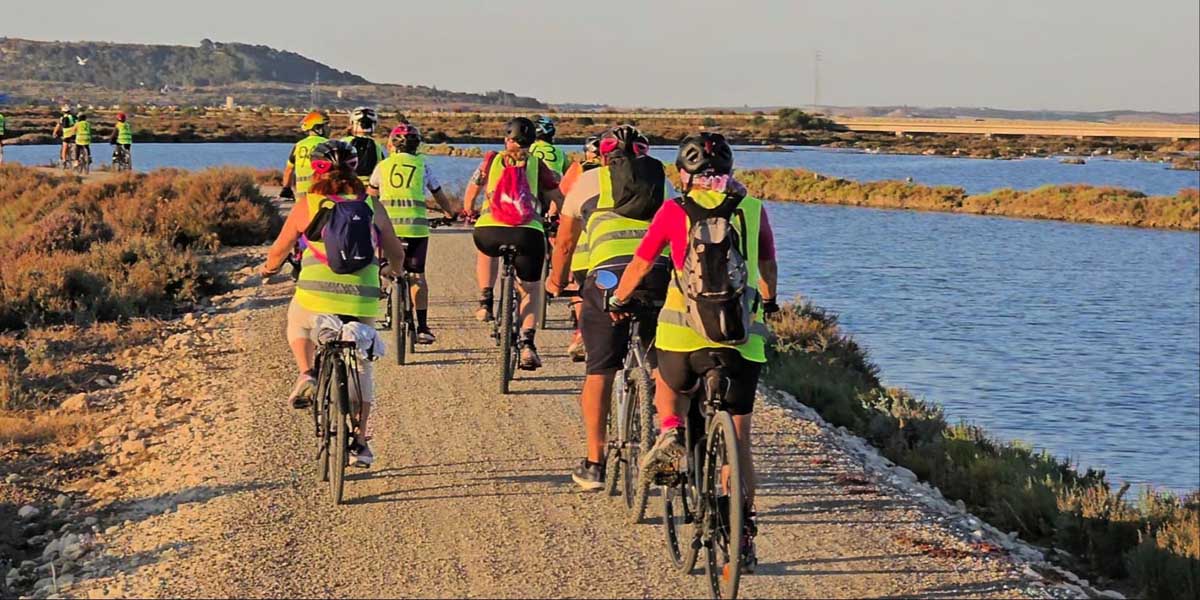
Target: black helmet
(545, 128)
(626, 138)
(592, 144)
(520, 130)
(705, 153)
(334, 155)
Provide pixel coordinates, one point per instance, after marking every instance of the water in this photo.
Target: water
(1081, 339)
(975, 175)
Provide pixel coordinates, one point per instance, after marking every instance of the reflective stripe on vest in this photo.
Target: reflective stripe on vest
(579, 259)
(303, 164)
(124, 134)
(674, 334)
(83, 133)
(402, 193)
(612, 238)
(550, 154)
(320, 290)
(493, 180)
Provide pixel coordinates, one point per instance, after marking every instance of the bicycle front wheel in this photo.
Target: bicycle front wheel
(723, 495)
(505, 331)
(638, 438)
(613, 437)
(338, 451)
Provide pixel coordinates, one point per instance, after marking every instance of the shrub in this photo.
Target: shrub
(708, 122)
(585, 121)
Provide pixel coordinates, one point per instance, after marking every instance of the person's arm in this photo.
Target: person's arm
(768, 268)
(393, 248)
(288, 236)
(289, 171)
(374, 183)
(435, 187)
(569, 229)
(552, 200)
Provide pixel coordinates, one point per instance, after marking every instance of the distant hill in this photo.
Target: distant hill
(108, 73)
(969, 112)
(118, 66)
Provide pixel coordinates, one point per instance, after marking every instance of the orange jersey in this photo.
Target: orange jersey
(570, 177)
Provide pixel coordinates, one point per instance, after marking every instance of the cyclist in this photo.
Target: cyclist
(352, 297)
(362, 125)
(591, 159)
(298, 174)
(705, 164)
(529, 239)
(64, 129)
(614, 225)
(83, 138)
(400, 182)
(543, 145)
(122, 136)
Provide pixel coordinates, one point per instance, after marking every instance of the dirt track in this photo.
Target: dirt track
(470, 494)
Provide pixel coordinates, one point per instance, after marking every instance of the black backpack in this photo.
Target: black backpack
(637, 185)
(368, 155)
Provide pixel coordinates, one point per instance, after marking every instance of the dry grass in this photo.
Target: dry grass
(61, 429)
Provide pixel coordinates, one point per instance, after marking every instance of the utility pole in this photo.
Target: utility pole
(816, 79)
(314, 95)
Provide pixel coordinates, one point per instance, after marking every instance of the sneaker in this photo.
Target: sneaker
(589, 475)
(576, 350)
(661, 458)
(530, 361)
(484, 314)
(361, 455)
(425, 336)
(303, 392)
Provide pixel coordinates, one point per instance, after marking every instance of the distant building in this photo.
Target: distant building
(228, 102)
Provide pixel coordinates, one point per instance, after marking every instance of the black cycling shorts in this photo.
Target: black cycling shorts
(415, 251)
(579, 277)
(682, 371)
(530, 244)
(607, 341)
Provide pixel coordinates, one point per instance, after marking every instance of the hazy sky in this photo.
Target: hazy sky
(1028, 54)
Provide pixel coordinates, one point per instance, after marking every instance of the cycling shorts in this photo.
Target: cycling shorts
(682, 371)
(415, 251)
(530, 244)
(607, 342)
(300, 326)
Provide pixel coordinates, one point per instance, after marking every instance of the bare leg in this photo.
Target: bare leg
(420, 292)
(530, 290)
(486, 269)
(742, 425)
(304, 352)
(595, 401)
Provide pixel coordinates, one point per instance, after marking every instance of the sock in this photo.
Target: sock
(423, 318)
(671, 422)
(527, 335)
(486, 298)
(311, 373)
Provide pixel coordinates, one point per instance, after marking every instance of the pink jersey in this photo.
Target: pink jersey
(670, 227)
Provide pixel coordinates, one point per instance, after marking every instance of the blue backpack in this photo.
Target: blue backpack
(347, 227)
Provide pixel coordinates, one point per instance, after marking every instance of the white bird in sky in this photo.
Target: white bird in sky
(82, 61)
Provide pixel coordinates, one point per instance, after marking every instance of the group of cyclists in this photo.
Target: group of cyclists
(612, 211)
(75, 131)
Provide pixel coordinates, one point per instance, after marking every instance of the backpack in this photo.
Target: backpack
(637, 185)
(368, 154)
(347, 228)
(715, 282)
(512, 202)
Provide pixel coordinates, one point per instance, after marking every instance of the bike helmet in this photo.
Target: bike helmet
(405, 137)
(334, 155)
(121, 117)
(81, 116)
(520, 130)
(592, 144)
(66, 109)
(705, 153)
(316, 121)
(545, 129)
(365, 117)
(625, 138)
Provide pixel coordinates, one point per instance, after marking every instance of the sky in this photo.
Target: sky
(1015, 54)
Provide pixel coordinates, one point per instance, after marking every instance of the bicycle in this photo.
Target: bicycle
(121, 159)
(400, 305)
(506, 326)
(68, 164)
(551, 231)
(83, 159)
(336, 412)
(631, 422)
(708, 492)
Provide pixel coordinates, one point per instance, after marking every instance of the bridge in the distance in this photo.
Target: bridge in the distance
(990, 127)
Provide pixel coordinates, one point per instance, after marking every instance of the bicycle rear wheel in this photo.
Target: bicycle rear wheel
(341, 442)
(724, 505)
(505, 331)
(320, 410)
(399, 326)
(638, 437)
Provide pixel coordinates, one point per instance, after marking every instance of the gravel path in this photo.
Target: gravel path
(470, 494)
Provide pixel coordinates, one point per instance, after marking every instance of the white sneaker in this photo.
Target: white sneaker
(361, 455)
(303, 392)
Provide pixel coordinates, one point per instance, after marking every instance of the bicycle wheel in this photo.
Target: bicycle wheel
(679, 507)
(505, 331)
(639, 436)
(723, 522)
(399, 327)
(612, 450)
(340, 444)
(320, 410)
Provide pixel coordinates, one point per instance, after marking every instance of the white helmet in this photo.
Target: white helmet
(365, 117)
